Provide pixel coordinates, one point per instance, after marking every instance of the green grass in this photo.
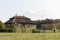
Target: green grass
(29, 36)
(29, 30)
(49, 35)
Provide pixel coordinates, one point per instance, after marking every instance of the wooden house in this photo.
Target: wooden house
(20, 22)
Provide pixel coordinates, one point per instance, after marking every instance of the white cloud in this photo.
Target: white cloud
(37, 14)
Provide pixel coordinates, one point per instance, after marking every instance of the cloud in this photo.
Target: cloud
(40, 13)
(37, 14)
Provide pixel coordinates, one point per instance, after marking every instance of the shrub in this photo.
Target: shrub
(6, 30)
(35, 31)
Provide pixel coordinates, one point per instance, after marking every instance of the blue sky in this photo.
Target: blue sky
(34, 9)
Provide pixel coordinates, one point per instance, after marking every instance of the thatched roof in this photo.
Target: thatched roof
(47, 21)
(20, 19)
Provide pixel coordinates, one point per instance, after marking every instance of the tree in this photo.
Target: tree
(13, 26)
(23, 28)
(38, 25)
(53, 27)
(1, 24)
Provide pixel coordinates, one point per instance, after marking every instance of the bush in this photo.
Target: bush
(6, 30)
(35, 31)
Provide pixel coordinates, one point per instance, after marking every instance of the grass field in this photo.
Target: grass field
(29, 36)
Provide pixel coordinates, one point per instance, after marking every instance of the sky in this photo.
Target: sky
(34, 9)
